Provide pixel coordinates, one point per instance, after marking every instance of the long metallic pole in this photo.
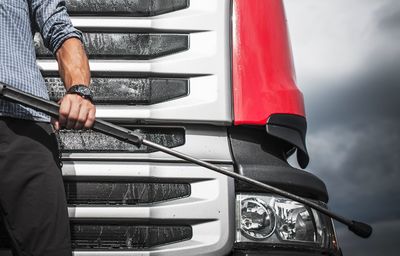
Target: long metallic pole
(52, 109)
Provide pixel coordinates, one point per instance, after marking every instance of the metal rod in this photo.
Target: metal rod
(52, 109)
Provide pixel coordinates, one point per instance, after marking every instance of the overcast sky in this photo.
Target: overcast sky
(347, 59)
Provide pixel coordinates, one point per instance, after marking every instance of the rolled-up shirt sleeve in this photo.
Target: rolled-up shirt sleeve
(52, 21)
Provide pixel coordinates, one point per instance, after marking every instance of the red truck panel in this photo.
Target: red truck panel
(263, 73)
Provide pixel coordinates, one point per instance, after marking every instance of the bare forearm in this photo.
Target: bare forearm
(76, 112)
(73, 64)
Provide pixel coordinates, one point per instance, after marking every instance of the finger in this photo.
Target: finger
(65, 106)
(56, 124)
(81, 120)
(90, 118)
(73, 114)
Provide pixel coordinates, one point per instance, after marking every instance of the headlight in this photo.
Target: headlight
(271, 219)
(257, 219)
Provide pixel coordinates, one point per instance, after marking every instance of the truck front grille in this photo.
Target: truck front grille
(132, 8)
(129, 91)
(168, 77)
(89, 141)
(125, 236)
(80, 193)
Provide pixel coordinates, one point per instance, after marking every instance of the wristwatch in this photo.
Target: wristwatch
(81, 90)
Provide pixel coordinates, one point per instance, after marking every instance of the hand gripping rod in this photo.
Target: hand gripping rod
(50, 108)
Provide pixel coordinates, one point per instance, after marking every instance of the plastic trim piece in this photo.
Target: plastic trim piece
(260, 156)
(292, 129)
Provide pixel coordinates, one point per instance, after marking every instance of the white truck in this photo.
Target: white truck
(210, 78)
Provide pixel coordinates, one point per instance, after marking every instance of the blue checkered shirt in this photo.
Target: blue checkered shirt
(19, 20)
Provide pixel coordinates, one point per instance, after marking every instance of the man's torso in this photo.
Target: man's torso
(18, 66)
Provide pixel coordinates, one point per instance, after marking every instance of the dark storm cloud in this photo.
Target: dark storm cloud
(349, 72)
(360, 169)
(373, 93)
(390, 20)
(369, 98)
(354, 142)
(359, 125)
(354, 125)
(381, 243)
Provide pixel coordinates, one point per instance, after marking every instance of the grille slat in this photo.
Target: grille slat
(125, 236)
(120, 237)
(132, 46)
(114, 193)
(132, 8)
(130, 91)
(88, 141)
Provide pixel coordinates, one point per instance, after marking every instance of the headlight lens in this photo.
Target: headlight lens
(277, 220)
(257, 219)
(295, 221)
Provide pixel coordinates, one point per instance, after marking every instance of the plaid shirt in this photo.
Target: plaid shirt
(19, 20)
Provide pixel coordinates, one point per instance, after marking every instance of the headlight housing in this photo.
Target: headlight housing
(274, 220)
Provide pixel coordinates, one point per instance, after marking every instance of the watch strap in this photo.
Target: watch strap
(81, 90)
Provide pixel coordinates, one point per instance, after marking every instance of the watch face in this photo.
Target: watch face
(84, 90)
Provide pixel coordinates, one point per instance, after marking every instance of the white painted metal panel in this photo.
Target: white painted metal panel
(210, 205)
(209, 101)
